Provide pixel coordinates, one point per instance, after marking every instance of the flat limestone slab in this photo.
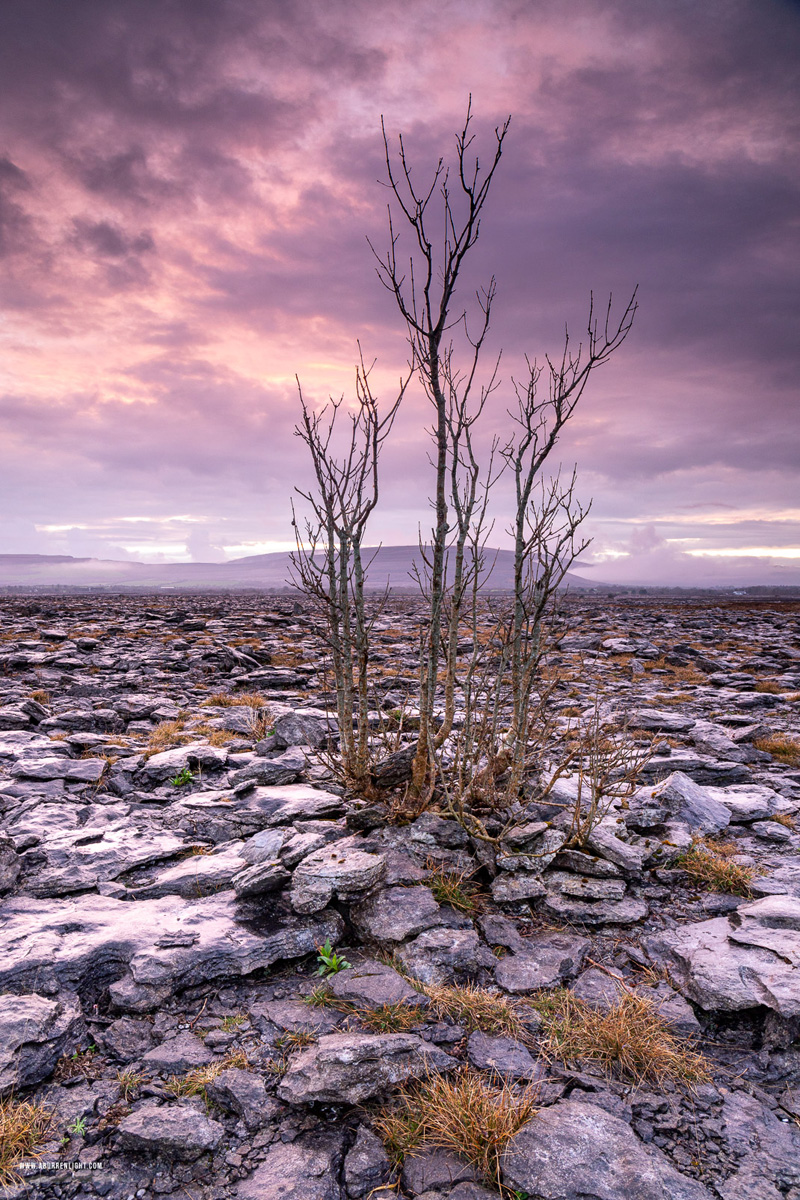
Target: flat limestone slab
(145, 950)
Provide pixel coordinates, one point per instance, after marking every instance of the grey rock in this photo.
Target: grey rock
(598, 989)
(769, 1147)
(160, 768)
(348, 1068)
(538, 854)
(747, 802)
(550, 960)
(10, 865)
(577, 1151)
(586, 864)
(585, 887)
(501, 1055)
(511, 887)
(686, 801)
(75, 860)
(80, 770)
(260, 878)
(150, 949)
(742, 961)
(366, 1165)
(432, 1169)
(244, 1093)
(282, 769)
(659, 720)
(600, 912)
(373, 984)
(445, 955)
(699, 767)
(306, 727)
(197, 875)
(605, 842)
(127, 1038)
(340, 869)
(500, 931)
(178, 1133)
(396, 913)
(306, 1169)
(178, 1055)
(34, 1033)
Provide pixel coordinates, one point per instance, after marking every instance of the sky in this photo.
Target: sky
(186, 192)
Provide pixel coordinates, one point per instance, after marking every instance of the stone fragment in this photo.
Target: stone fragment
(35, 1032)
(586, 864)
(127, 1038)
(510, 887)
(430, 1170)
(549, 960)
(578, 1151)
(585, 887)
(178, 1055)
(372, 985)
(394, 914)
(244, 1093)
(10, 865)
(306, 727)
(306, 1169)
(599, 912)
(149, 949)
(605, 842)
(659, 720)
(501, 1055)
(176, 1133)
(347, 1068)
(366, 1165)
(340, 869)
(686, 801)
(445, 955)
(262, 877)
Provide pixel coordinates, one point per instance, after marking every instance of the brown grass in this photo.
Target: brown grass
(711, 863)
(241, 700)
(455, 888)
(770, 686)
(130, 1080)
(195, 1082)
(40, 696)
(165, 736)
(464, 1114)
(476, 1008)
(24, 1127)
(781, 746)
(785, 819)
(218, 737)
(83, 1064)
(630, 1039)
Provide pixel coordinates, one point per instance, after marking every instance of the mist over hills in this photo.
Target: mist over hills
(390, 565)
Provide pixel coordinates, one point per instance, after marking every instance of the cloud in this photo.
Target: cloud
(185, 195)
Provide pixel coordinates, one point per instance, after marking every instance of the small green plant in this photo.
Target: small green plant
(78, 1127)
(183, 777)
(329, 962)
(233, 1022)
(454, 888)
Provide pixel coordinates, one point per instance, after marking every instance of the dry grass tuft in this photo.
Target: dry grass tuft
(785, 819)
(218, 737)
(770, 686)
(24, 1127)
(711, 863)
(781, 746)
(83, 1064)
(386, 1018)
(130, 1080)
(195, 1082)
(630, 1038)
(165, 736)
(455, 888)
(41, 696)
(241, 700)
(476, 1008)
(464, 1114)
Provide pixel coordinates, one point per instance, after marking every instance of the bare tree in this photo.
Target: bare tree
(328, 562)
(547, 514)
(424, 290)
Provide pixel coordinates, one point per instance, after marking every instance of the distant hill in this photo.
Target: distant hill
(391, 565)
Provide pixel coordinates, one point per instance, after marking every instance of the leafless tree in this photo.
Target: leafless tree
(441, 221)
(328, 562)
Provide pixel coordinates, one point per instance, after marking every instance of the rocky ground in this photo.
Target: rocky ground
(173, 854)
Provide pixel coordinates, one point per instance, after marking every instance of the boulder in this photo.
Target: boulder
(684, 800)
(35, 1032)
(175, 1133)
(306, 1169)
(502, 1056)
(548, 960)
(244, 1093)
(345, 1068)
(396, 913)
(445, 955)
(339, 869)
(578, 1151)
(366, 1165)
(306, 727)
(372, 985)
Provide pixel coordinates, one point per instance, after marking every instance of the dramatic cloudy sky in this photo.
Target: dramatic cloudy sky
(186, 187)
